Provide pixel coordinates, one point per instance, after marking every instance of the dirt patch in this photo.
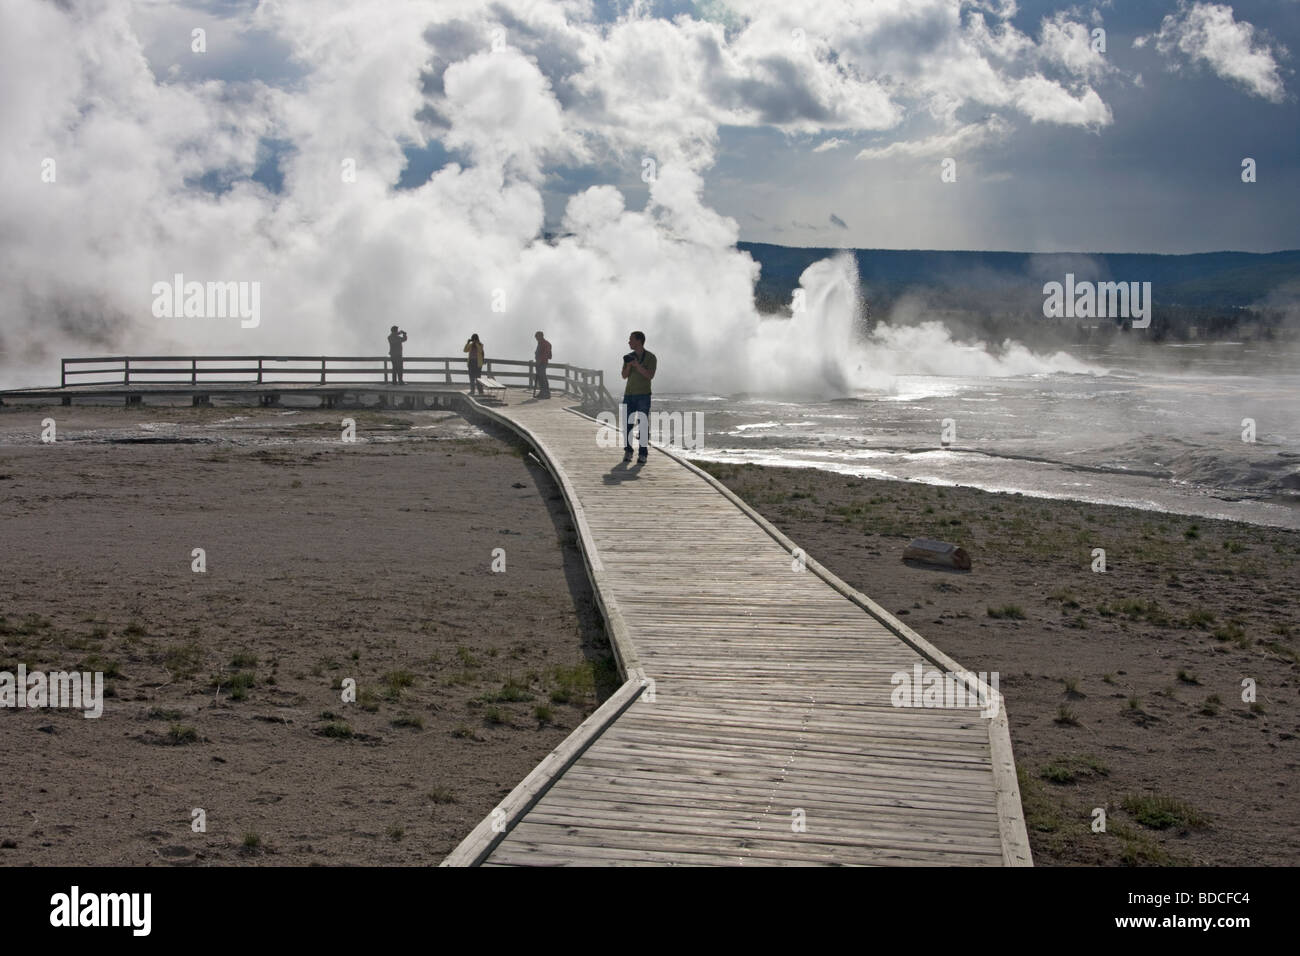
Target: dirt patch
(328, 567)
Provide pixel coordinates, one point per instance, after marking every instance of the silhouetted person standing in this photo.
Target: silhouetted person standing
(542, 357)
(638, 368)
(395, 339)
(475, 360)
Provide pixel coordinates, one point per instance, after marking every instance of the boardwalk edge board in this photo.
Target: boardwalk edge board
(494, 828)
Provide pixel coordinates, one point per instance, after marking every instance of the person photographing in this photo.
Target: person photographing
(542, 357)
(395, 339)
(475, 357)
(639, 368)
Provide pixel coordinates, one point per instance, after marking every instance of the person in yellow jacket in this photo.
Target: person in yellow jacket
(474, 348)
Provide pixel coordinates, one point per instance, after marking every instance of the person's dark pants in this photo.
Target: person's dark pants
(474, 372)
(632, 405)
(543, 384)
(397, 369)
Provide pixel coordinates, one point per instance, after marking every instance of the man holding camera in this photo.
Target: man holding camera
(395, 340)
(542, 357)
(638, 368)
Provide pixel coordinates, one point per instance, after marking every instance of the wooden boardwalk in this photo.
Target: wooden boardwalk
(756, 725)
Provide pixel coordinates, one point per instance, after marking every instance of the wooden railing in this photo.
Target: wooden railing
(585, 383)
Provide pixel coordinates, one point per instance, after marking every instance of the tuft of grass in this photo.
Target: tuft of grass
(1042, 815)
(1186, 677)
(1065, 717)
(1192, 533)
(1067, 769)
(1108, 679)
(1281, 650)
(1139, 610)
(252, 841)
(512, 691)
(399, 679)
(464, 732)
(1139, 848)
(543, 713)
(442, 795)
(494, 715)
(1232, 631)
(178, 735)
(243, 660)
(368, 700)
(415, 721)
(1010, 611)
(158, 713)
(31, 624)
(1212, 705)
(238, 685)
(338, 730)
(96, 663)
(1072, 688)
(395, 833)
(1160, 812)
(467, 659)
(1066, 598)
(574, 681)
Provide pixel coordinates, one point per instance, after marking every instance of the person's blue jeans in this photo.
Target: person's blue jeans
(632, 405)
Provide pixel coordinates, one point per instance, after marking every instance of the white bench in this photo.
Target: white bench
(496, 391)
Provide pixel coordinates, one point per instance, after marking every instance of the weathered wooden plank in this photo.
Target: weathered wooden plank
(717, 777)
(746, 847)
(776, 810)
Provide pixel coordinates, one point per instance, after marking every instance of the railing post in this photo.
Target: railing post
(322, 370)
(446, 368)
(126, 371)
(63, 373)
(194, 371)
(259, 370)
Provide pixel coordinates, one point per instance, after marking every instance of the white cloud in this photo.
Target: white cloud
(1209, 32)
(1044, 101)
(955, 142)
(1069, 45)
(833, 143)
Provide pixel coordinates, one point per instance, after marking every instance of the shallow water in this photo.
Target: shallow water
(1161, 428)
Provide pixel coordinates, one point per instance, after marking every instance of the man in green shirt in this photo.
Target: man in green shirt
(638, 368)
